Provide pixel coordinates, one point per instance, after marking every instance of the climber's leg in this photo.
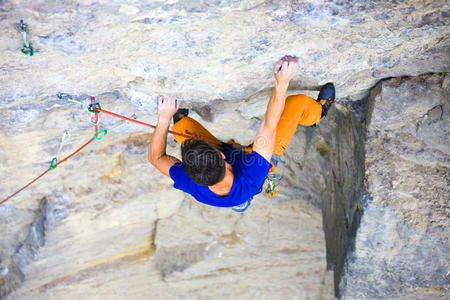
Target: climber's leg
(189, 126)
(298, 109)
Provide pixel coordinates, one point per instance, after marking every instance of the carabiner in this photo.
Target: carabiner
(94, 111)
(53, 164)
(27, 50)
(272, 179)
(101, 131)
(23, 29)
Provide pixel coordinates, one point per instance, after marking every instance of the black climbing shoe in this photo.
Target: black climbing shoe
(181, 113)
(328, 93)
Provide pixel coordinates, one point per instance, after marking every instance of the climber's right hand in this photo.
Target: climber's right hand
(167, 107)
(285, 69)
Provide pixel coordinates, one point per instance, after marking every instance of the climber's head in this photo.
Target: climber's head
(204, 164)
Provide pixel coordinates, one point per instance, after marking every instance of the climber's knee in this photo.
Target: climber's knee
(294, 103)
(307, 110)
(183, 126)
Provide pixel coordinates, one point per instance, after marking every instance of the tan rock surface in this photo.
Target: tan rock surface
(402, 245)
(111, 226)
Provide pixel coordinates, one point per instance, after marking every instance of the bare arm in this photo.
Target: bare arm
(265, 136)
(157, 156)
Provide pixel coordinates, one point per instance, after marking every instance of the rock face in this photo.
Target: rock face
(202, 51)
(106, 224)
(402, 244)
(342, 202)
(27, 250)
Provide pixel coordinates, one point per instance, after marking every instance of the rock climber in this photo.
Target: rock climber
(212, 171)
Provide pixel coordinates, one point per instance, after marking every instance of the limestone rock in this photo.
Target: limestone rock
(116, 227)
(402, 244)
(201, 51)
(342, 202)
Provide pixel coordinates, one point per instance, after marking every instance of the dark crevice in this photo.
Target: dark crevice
(25, 252)
(47, 215)
(342, 206)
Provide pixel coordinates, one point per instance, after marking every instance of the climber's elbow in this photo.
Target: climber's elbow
(151, 159)
(163, 163)
(153, 156)
(265, 140)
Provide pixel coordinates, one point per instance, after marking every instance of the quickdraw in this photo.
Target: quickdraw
(67, 97)
(272, 179)
(23, 29)
(53, 164)
(101, 131)
(65, 137)
(93, 106)
(93, 109)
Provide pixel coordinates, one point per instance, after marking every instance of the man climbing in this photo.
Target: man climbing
(230, 178)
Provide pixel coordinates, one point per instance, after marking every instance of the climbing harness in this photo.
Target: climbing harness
(271, 191)
(275, 159)
(23, 29)
(272, 179)
(242, 207)
(64, 139)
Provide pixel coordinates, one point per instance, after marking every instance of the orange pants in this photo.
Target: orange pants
(298, 109)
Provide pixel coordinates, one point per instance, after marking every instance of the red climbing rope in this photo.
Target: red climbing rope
(189, 135)
(96, 109)
(45, 172)
(30, 183)
(138, 122)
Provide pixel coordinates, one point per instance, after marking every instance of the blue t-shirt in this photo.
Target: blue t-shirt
(249, 170)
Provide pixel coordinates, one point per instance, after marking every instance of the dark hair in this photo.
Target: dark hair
(202, 162)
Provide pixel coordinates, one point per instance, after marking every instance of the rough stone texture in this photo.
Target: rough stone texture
(48, 214)
(342, 203)
(402, 244)
(202, 51)
(119, 229)
(127, 233)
